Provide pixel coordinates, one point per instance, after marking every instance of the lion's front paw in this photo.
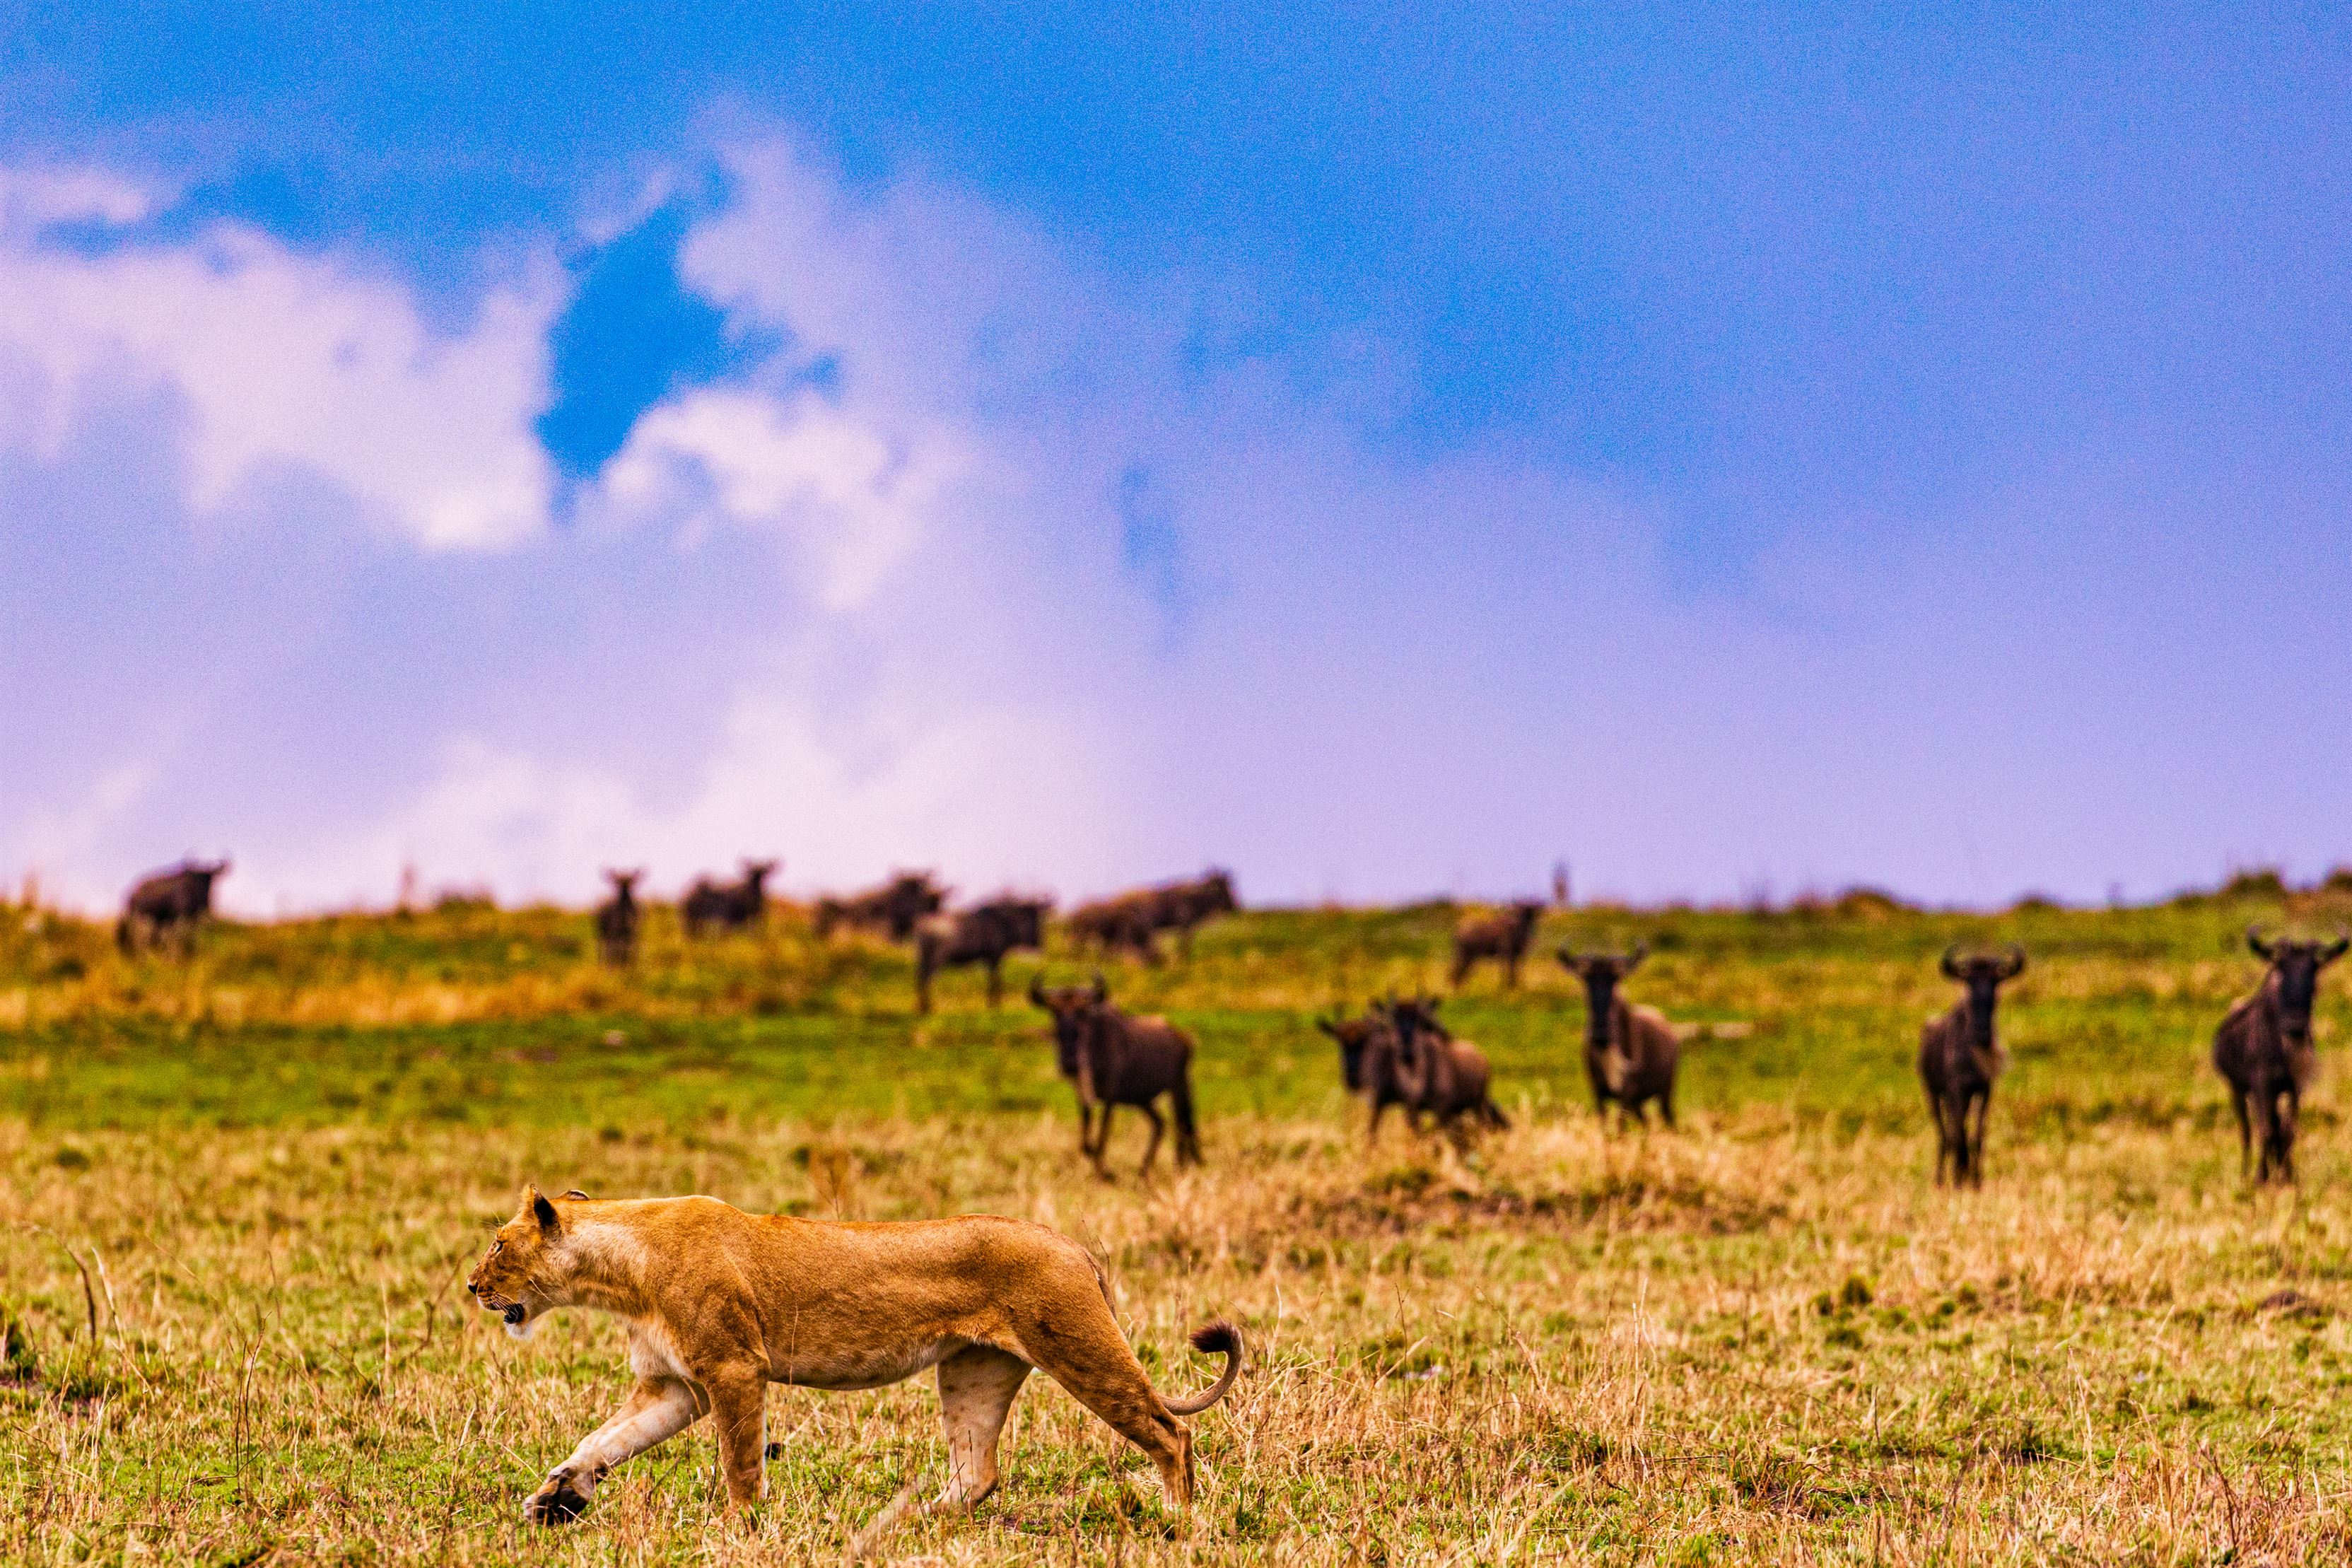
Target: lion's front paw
(557, 1501)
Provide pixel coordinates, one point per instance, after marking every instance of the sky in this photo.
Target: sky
(1737, 451)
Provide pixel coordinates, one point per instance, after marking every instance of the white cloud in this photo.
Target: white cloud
(853, 499)
(278, 362)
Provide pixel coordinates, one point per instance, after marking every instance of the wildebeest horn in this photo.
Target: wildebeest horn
(1951, 964)
(1566, 954)
(1634, 960)
(1102, 987)
(2336, 949)
(2016, 964)
(2262, 949)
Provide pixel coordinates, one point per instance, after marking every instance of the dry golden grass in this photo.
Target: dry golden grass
(1750, 1343)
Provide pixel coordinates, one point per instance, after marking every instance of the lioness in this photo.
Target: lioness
(721, 1303)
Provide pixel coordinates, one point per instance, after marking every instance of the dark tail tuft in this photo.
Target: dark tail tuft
(1220, 1338)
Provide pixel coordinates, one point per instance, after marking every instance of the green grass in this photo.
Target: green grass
(1766, 1338)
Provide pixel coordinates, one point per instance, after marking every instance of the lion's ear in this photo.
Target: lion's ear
(576, 1193)
(550, 1224)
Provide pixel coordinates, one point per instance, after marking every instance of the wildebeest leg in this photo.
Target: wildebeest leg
(2245, 1132)
(1151, 1149)
(1188, 1136)
(1510, 972)
(1372, 1133)
(1666, 1108)
(2287, 1125)
(995, 981)
(1948, 1157)
(1972, 1124)
(1102, 1140)
(1086, 1129)
(2266, 1131)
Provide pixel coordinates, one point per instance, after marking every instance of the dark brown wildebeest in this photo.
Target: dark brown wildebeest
(894, 909)
(168, 906)
(983, 934)
(1629, 1052)
(2263, 1048)
(1503, 937)
(1114, 1058)
(1129, 921)
(1960, 1057)
(727, 906)
(1181, 906)
(616, 919)
(1397, 1052)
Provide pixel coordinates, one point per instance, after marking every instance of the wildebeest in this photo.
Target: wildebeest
(1503, 937)
(1181, 906)
(1629, 1052)
(1397, 1052)
(894, 909)
(727, 906)
(1114, 1058)
(1129, 921)
(616, 919)
(168, 906)
(2263, 1048)
(983, 934)
(1960, 1057)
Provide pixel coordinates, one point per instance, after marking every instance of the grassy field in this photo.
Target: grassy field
(1767, 1336)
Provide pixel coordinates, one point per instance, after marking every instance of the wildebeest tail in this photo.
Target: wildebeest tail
(1218, 1337)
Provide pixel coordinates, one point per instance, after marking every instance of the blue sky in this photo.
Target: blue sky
(1383, 451)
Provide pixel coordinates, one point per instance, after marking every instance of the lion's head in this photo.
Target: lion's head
(523, 1273)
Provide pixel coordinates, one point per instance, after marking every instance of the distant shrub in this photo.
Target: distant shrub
(2255, 882)
(2338, 880)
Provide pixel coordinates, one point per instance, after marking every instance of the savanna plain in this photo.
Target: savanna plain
(239, 1195)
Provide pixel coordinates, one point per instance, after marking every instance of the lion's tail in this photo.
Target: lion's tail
(1218, 1337)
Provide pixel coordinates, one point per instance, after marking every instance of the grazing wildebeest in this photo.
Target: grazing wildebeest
(1180, 905)
(983, 934)
(168, 906)
(1399, 1054)
(894, 908)
(2263, 1048)
(1129, 921)
(1960, 1057)
(1629, 1052)
(1503, 937)
(616, 919)
(1114, 1058)
(727, 906)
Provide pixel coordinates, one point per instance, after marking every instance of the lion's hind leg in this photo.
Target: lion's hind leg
(977, 1387)
(1081, 1349)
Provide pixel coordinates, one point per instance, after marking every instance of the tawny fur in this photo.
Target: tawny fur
(720, 1303)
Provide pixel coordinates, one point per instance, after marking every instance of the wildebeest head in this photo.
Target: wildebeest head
(1355, 1037)
(624, 883)
(1076, 1010)
(2297, 965)
(1214, 894)
(755, 875)
(1601, 973)
(1984, 974)
(1525, 912)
